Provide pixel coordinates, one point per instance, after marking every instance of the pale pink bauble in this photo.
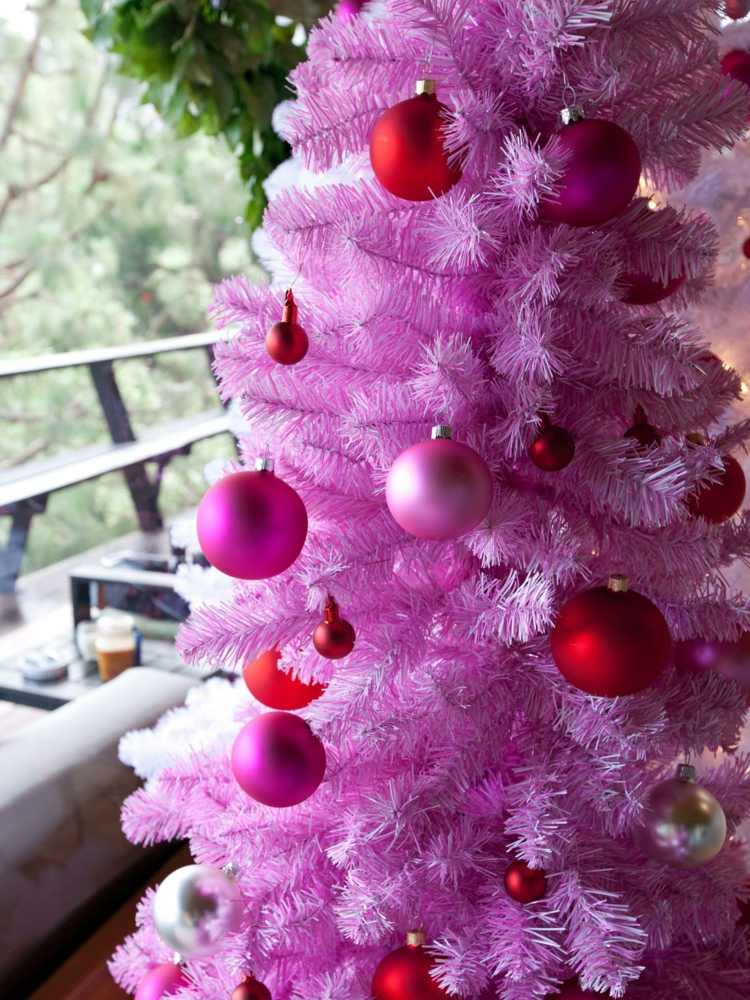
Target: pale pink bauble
(278, 760)
(439, 489)
(432, 568)
(161, 981)
(251, 525)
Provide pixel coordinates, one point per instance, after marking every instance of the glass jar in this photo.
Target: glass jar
(114, 643)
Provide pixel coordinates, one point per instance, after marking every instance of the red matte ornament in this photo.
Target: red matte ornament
(600, 174)
(334, 637)
(407, 147)
(553, 448)
(642, 431)
(736, 65)
(720, 500)
(641, 290)
(251, 989)
(736, 9)
(404, 974)
(286, 341)
(275, 687)
(611, 641)
(525, 884)
(746, 248)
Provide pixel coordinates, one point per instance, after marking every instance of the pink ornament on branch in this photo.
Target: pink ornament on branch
(278, 760)
(161, 981)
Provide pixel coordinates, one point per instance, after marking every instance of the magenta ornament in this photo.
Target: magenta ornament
(347, 9)
(697, 654)
(252, 525)
(600, 175)
(278, 760)
(439, 489)
(161, 981)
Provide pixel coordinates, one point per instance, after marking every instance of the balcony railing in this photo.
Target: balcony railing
(25, 489)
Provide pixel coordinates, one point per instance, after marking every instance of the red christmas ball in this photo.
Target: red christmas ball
(642, 431)
(746, 248)
(719, 501)
(611, 641)
(251, 989)
(641, 290)
(276, 688)
(599, 177)
(286, 341)
(552, 449)
(525, 884)
(736, 9)
(333, 637)
(407, 149)
(736, 65)
(404, 974)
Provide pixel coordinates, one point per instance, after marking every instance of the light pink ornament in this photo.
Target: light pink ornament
(161, 981)
(432, 568)
(439, 489)
(278, 760)
(252, 525)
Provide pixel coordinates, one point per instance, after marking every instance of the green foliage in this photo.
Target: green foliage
(217, 67)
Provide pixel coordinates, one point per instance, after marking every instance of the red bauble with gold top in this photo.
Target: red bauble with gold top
(611, 641)
(251, 989)
(405, 974)
(553, 448)
(275, 687)
(407, 147)
(286, 341)
(525, 884)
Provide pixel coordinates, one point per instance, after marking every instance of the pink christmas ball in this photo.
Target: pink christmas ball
(278, 760)
(347, 9)
(438, 489)
(600, 175)
(162, 981)
(697, 654)
(251, 525)
(734, 660)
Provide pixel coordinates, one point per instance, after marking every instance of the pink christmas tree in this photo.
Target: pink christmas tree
(488, 756)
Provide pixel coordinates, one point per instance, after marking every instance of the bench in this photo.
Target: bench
(25, 489)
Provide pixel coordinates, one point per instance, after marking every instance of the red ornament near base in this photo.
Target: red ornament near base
(251, 989)
(405, 974)
(736, 9)
(719, 500)
(736, 65)
(746, 248)
(600, 174)
(407, 147)
(277, 688)
(161, 981)
(334, 637)
(611, 641)
(641, 431)
(286, 341)
(553, 448)
(641, 290)
(525, 884)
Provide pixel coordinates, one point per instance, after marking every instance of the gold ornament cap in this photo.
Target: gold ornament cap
(441, 432)
(425, 86)
(263, 464)
(695, 438)
(572, 114)
(416, 938)
(685, 772)
(618, 583)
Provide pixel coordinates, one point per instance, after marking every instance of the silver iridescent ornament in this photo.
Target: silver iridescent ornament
(684, 823)
(194, 908)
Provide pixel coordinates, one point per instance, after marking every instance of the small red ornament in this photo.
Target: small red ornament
(286, 341)
(553, 448)
(642, 431)
(611, 641)
(736, 9)
(525, 884)
(736, 65)
(746, 248)
(405, 974)
(641, 290)
(744, 905)
(276, 688)
(334, 637)
(600, 174)
(251, 989)
(407, 147)
(719, 500)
